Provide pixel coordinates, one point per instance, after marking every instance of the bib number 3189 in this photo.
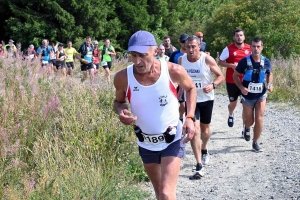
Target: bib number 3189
(154, 139)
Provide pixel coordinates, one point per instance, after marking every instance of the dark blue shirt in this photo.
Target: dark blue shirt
(175, 55)
(203, 46)
(242, 68)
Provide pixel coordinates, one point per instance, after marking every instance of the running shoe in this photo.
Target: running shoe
(198, 173)
(247, 135)
(256, 147)
(230, 121)
(205, 158)
(243, 132)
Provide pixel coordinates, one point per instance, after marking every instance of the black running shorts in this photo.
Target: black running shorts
(233, 91)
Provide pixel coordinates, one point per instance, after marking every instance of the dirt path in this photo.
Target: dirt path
(235, 171)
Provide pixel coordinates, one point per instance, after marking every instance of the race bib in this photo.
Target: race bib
(198, 84)
(45, 61)
(70, 57)
(154, 139)
(255, 87)
(31, 56)
(103, 63)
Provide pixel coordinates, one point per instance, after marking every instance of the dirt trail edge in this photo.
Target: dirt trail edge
(237, 172)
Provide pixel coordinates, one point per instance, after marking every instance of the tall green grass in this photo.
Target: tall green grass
(62, 139)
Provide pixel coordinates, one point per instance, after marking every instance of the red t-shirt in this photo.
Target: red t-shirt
(232, 54)
(96, 56)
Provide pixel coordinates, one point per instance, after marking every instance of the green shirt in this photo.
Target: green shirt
(106, 57)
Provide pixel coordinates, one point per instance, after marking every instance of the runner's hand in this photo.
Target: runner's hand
(189, 129)
(270, 88)
(208, 88)
(244, 91)
(126, 117)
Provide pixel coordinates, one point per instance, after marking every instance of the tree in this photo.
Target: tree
(277, 22)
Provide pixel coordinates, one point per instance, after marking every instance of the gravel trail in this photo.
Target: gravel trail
(234, 170)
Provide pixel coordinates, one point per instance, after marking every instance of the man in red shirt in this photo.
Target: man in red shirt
(229, 58)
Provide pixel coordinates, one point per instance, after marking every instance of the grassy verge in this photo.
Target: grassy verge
(62, 140)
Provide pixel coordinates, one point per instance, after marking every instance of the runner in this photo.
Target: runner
(44, 52)
(96, 55)
(70, 53)
(161, 53)
(11, 49)
(169, 48)
(106, 52)
(52, 61)
(30, 53)
(86, 59)
(1, 50)
(150, 87)
(256, 69)
(229, 58)
(61, 60)
(174, 59)
(203, 44)
(199, 66)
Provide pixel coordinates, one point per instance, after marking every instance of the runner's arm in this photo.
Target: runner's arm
(179, 76)
(180, 90)
(269, 79)
(223, 57)
(120, 105)
(211, 63)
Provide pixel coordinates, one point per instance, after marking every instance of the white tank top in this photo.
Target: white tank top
(155, 106)
(201, 76)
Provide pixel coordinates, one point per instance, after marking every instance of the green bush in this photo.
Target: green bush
(275, 21)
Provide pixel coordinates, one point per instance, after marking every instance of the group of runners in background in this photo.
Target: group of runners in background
(54, 57)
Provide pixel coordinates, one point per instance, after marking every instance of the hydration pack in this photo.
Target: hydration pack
(255, 75)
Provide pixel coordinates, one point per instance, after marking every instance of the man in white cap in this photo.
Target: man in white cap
(150, 88)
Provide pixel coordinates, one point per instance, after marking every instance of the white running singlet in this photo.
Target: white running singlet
(155, 106)
(201, 76)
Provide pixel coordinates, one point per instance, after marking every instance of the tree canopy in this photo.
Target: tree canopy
(276, 21)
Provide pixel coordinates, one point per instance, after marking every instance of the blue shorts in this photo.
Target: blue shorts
(252, 102)
(175, 149)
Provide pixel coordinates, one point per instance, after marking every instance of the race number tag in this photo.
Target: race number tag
(154, 139)
(198, 84)
(255, 87)
(70, 58)
(31, 56)
(45, 61)
(103, 63)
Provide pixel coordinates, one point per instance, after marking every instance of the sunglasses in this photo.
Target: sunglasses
(200, 36)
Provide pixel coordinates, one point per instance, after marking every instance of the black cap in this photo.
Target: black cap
(183, 37)
(60, 44)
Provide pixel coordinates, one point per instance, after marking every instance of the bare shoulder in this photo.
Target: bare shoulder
(210, 60)
(120, 80)
(176, 72)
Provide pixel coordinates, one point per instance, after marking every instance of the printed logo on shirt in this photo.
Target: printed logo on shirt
(135, 88)
(192, 71)
(163, 100)
(234, 53)
(246, 52)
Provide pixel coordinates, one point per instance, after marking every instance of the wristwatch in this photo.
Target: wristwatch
(191, 117)
(214, 85)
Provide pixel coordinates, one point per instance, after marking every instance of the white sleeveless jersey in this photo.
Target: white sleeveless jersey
(155, 106)
(201, 76)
